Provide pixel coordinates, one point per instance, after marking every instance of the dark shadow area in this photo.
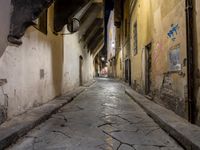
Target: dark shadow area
(196, 63)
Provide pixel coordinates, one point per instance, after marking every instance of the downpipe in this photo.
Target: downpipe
(190, 61)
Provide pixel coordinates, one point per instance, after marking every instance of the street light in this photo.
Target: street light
(113, 44)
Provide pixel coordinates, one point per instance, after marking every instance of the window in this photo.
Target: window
(41, 22)
(135, 39)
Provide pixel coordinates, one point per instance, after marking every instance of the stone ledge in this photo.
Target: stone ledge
(90, 83)
(12, 130)
(186, 134)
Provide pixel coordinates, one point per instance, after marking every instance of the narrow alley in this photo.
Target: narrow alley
(99, 74)
(101, 118)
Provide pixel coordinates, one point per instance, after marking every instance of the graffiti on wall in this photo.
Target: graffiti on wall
(173, 32)
(174, 59)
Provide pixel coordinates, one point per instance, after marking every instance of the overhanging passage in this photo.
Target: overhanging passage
(25, 12)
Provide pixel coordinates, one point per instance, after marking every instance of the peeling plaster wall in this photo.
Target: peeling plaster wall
(43, 67)
(173, 88)
(154, 20)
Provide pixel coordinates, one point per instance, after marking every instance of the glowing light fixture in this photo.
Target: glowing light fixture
(113, 44)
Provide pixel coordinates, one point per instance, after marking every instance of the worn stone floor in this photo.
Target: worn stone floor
(101, 118)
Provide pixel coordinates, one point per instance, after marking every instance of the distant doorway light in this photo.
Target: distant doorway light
(103, 58)
(113, 44)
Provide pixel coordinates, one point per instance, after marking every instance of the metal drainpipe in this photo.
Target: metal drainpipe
(190, 60)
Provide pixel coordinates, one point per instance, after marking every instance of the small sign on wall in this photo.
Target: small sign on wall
(174, 59)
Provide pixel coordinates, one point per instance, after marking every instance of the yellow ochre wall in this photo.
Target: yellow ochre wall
(154, 19)
(197, 56)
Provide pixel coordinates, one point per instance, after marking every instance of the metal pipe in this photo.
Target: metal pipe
(74, 21)
(190, 60)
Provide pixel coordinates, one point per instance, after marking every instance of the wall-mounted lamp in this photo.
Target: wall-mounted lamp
(103, 58)
(113, 44)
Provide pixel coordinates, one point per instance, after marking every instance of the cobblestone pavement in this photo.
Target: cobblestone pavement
(101, 118)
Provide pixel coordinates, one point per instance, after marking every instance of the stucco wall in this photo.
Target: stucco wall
(197, 56)
(154, 20)
(119, 68)
(119, 54)
(126, 40)
(71, 62)
(43, 67)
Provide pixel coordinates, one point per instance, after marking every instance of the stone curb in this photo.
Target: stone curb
(182, 131)
(90, 83)
(17, 127)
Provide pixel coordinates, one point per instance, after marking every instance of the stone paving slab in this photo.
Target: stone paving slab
(17, 127)
(185, 133)
(101, 118)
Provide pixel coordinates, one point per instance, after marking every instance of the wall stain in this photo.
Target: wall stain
(169, 96)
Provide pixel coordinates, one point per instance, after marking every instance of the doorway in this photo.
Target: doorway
(80, 70)
(128, 71)
(148, 69)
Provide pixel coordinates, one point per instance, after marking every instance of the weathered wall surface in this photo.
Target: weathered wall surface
(23, 66)
(162, 24)
(136, 58)
(197, 55)
(71, 76)
(43, 67)
(126, 41)
(119, 68)
(173, 88)
(119, 54)
(33, 70)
